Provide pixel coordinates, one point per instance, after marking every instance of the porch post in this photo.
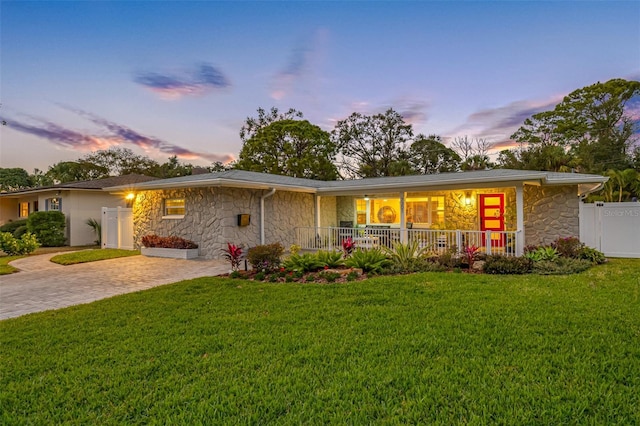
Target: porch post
(519, 219)
(404, 237)
(317, 215)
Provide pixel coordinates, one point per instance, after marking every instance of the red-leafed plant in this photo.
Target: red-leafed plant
(470, 254)
(233, 254)
(348, 245)
(154, 241)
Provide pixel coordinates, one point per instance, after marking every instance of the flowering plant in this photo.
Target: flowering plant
(470, 253)
(233, 254)
(348, 245)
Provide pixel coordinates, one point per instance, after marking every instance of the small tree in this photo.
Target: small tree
(48, 228)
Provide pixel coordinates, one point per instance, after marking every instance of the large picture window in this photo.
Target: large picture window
(174, 207)
(420, 210)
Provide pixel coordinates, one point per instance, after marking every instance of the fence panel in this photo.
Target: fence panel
(117, 228)
(612, 228)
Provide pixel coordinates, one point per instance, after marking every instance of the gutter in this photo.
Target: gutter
(265, 196)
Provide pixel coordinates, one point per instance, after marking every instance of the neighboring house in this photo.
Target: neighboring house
(79, 201)
(499, 210)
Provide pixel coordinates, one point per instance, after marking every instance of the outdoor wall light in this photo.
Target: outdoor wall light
(467, 198)
(130, 196)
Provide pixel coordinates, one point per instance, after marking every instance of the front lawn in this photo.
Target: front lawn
(441, 348)
(92, 256)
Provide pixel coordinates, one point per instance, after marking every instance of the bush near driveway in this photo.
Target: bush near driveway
(431, 348)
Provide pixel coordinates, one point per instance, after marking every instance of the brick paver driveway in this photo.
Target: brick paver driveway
(42, 285)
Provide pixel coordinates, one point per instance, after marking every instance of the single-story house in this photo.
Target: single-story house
(498, 210)
(79, 201)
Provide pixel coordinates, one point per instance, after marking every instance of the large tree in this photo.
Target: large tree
(14, 179)
(70, 171)
(264, 118)
(293, 148)
(372, 145)
(428, 155)
(121, 161)
(592, 125)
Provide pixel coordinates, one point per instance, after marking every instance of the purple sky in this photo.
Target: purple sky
(179, 78)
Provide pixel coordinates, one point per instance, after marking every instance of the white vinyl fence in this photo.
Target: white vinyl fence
(117, 228)
(612, 228)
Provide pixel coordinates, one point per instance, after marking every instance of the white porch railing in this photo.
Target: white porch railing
(436, 241)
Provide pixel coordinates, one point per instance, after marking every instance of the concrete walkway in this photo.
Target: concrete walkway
(42, 285)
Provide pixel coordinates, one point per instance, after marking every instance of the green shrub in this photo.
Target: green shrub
(373, 260)
(265, 257)
(592, 255)
(48, 228)
(20, 231)
(14, 246)
(352, 276)
(97, 229)
(331, 277)
(303, 262)
(561, 266)
(332, 259)
(405, 257)
(568, 247)
(545, 253)
(13, 225)
(259, 276)
(504, 265)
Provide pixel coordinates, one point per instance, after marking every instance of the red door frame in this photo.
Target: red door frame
(499, 242)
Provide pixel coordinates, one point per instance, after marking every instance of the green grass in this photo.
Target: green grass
(92, 256)
(5, 268)
(431, 348)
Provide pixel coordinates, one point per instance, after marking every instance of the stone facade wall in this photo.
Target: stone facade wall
(328, 213)
(211, 217)
(346, 209)
(284, 212)
(550, 212)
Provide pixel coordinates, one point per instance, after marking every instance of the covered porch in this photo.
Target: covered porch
(439, 220)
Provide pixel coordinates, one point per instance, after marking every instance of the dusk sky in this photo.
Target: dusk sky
(179, 78)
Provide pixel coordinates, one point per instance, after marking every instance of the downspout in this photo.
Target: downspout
(267, 195)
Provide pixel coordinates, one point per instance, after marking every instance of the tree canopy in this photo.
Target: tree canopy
(14, 179)
(372, 145)
(429, 155)
(288, 147)
(591, 130)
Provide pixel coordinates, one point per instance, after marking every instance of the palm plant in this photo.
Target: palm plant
(97, 229)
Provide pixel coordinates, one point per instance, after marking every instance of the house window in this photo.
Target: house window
(174, 207)
(361, 212)
(421, 210)
(53, 204)
(425, 210)
(23, 209)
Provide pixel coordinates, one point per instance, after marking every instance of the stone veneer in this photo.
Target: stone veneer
(210, 218)
(550, 212)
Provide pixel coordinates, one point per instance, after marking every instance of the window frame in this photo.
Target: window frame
(167, 210)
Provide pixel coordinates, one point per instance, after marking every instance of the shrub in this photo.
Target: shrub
(332, 259)
(97, 229)
(592, 255)
(568, 247)
(303, 262)
(154, 241)
(507, 265)
(259, 276)
(352, 276)
(331, 277)
(233, 254)
(373, 260)
(11, 227)
(20, 231)
(14, 246)
(405, 257)
(294, 249)
(48, 228)
(265, 257)
(561, 266)
(542, 254)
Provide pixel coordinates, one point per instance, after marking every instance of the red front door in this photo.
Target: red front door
(492, 217)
